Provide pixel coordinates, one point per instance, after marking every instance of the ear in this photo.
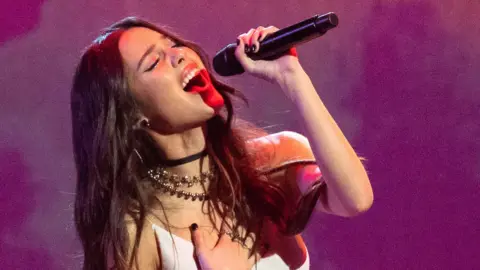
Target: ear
(142, 122)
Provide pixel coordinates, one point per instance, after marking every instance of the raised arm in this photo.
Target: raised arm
(348, 191)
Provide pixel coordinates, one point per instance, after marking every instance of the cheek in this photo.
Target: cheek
(162, 101)
(156, 99)
(155, 91)
(193, 56)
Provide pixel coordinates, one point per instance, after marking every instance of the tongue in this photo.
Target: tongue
(202, 85)
(199, 83)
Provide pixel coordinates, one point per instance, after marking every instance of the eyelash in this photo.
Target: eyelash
(153, 65)
(175, 45)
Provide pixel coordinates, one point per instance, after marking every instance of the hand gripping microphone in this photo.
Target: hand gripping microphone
(276, 44)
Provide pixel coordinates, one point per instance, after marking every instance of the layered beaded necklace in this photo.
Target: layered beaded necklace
(170, 183)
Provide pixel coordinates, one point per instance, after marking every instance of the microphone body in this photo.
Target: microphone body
(277, 44)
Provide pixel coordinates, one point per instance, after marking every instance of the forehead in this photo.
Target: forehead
(135, 41)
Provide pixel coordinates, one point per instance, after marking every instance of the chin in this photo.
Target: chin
(201, 117)
(206, 111)
(209, 114)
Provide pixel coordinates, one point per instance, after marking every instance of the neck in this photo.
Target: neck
(181, 145)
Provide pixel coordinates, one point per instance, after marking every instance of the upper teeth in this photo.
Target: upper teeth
(188, 77)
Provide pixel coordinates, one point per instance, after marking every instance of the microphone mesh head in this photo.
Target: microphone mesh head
(225, 62)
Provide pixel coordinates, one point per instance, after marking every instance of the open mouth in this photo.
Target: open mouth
(199, 83)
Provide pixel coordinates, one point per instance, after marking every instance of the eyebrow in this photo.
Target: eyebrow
(148, 51)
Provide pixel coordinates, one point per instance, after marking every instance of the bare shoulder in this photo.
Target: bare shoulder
(276, 148)
(147, 254)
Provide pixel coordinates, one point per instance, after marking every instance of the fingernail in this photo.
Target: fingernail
(194, 226)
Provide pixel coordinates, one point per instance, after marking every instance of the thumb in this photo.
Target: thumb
(197, 239)
(199, 246)
(242, 57)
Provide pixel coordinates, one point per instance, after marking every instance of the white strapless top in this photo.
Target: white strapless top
(177, 254)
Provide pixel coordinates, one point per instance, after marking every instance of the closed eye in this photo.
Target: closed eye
(155, 63)
(150, 68)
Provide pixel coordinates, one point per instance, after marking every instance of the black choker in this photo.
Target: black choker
(180, 161)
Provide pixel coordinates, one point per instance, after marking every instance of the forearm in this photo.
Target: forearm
(341, 168)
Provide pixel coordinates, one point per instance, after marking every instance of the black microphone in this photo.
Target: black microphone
(277, 44)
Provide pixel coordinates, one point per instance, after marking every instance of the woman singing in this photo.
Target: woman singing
(167, 179)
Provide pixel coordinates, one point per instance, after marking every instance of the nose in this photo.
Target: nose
(176, 57)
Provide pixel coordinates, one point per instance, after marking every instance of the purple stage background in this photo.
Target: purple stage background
(400, 77)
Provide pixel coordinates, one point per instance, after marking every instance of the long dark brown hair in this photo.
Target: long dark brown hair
(109, 172)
